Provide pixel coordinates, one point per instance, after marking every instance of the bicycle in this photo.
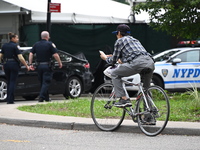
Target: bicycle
(152, 104)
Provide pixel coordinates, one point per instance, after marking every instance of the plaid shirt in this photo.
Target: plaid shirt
(126, 49)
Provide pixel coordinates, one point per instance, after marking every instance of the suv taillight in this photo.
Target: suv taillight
(87, 65)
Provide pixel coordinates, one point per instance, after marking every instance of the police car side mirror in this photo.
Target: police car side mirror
(175, 61)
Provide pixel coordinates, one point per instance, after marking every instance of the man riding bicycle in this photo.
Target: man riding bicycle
(133, 59)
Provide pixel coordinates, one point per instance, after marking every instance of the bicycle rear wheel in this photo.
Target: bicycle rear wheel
(152, 122)
(106, 116)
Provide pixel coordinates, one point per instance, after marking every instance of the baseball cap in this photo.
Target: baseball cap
(122, 28)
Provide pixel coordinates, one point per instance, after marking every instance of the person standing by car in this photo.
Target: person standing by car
(11, 57)
(133, 59)
(44, 50)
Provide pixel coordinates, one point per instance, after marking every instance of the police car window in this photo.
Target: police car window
(165, 56)
(190, 56)
(65, 57)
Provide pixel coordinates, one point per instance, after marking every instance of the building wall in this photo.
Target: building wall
(9, 23)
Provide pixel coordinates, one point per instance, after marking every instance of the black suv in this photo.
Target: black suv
(71, 80)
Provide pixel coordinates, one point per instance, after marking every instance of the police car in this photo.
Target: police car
(176, 69)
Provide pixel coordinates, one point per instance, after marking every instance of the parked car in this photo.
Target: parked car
(176, 69)
(71, 80)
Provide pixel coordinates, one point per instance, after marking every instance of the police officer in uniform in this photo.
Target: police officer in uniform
(11, 56)
(44, 51)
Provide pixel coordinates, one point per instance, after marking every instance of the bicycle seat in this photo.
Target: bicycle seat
(135, 79)
(108, 71)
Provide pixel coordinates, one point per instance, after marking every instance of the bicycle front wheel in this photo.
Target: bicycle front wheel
(106, 116)
(152, 121)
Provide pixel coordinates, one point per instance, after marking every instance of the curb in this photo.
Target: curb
(92, 127)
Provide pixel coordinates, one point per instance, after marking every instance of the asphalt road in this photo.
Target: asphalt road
(32, 138)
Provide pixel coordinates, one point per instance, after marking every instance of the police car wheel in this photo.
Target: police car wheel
(3, 89)
(73, 88)
(157, 81)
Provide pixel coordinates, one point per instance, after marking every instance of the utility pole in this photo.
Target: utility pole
(132, 14)
(48, 24)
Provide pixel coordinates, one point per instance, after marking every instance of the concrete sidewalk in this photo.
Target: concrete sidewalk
(9, 114)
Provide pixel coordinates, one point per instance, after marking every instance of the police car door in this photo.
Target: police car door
(187, 72)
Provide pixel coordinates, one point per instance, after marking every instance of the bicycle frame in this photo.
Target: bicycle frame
(140, 91)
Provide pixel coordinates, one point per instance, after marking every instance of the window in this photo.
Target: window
(190, 56)
(3, 39)
(164, 56)
(65, 57)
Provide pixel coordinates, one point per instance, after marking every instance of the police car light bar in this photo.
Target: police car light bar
(192, 43)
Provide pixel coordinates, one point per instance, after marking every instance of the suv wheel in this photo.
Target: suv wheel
(3, 89)
(73, 87)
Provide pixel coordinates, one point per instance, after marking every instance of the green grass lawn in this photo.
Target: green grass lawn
(184, 107)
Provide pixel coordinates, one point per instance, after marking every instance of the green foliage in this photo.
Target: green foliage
(195, 96)
(180, 18)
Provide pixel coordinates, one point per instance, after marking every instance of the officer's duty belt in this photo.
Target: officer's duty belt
(10, 59)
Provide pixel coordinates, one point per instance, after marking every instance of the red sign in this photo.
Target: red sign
(54, 7)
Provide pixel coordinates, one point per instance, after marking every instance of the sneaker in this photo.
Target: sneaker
(40, 100)
(123, 103)
(49, 100)
(10, 103)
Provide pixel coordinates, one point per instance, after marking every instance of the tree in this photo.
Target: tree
(180, 18)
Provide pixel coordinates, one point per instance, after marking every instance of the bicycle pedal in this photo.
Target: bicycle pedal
(119, 106)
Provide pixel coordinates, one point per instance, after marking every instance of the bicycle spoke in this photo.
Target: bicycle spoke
(155, 119)
(104, 114)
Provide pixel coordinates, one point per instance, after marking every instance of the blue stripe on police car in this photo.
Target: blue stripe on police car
(183, 81)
